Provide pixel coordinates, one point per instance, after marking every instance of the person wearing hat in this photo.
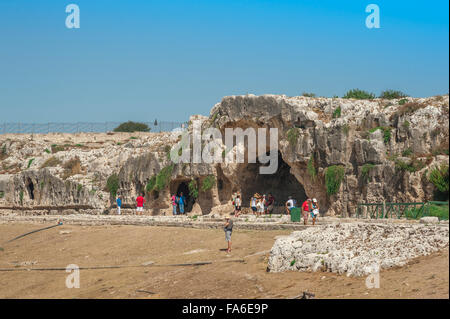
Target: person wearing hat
(314, 210)
(228, 230)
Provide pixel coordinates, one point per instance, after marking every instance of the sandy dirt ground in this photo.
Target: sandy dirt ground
(242, 274)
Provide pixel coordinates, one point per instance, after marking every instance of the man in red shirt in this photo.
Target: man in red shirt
(305, 210)
(140, 200)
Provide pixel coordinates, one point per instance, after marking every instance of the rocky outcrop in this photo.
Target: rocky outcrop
(356, 249)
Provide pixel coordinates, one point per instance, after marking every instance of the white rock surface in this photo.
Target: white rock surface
(357, 249)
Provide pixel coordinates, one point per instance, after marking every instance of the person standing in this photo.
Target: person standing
(290, 204)
(237, 205)
(260, 206)
(314, 210)
(181, 203)
(228, 230)
(173, 199)
(306, 206)
(119, 204)
(253, 203)
(140, 200)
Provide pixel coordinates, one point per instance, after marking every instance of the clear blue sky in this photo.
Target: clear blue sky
(141, 60)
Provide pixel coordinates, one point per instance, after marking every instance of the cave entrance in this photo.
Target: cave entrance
(281, 184)
(30, 189)
(183, 187)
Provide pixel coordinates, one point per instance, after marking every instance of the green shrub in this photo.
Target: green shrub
(439, 178)
(440, 211)
(311, 168)
(334, 175)
(402, 101)
(337, 112)
(193, 188)
(407, 152)
(386, 133)
(292, 136)
(392, 94)
(79, 188)
(413, 166)
(47, 151)
(208, 182)
(2, 194)
(365, 171)
(306, 94)
(406, 124)
(30, 162)
(112, 184)
(21, 197)
(151, 184)
(163, 177)
(131, 126)
(359, 94)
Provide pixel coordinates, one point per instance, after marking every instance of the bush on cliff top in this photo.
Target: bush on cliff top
(131, 126)
(359, 95)
(392, 94)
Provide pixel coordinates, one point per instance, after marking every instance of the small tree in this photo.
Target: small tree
(392, 94)
(359, 95)
(132, 127)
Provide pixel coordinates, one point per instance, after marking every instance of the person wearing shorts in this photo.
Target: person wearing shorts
(228, 230)
(260, 207)
(306, 210)
(289, 205)
(314, 210)
(140, 200)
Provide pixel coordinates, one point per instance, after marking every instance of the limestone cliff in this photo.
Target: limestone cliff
(384, 150)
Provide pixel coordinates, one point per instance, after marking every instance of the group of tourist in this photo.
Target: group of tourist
(310, 207)
(260, 204)
(178, 204)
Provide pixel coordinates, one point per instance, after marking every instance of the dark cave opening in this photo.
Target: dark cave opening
(281, 184)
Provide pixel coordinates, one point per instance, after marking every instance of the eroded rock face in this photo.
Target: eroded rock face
(356, 249)
(417, 136)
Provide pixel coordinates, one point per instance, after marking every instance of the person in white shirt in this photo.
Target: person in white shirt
(289, 205)
(253, 204)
